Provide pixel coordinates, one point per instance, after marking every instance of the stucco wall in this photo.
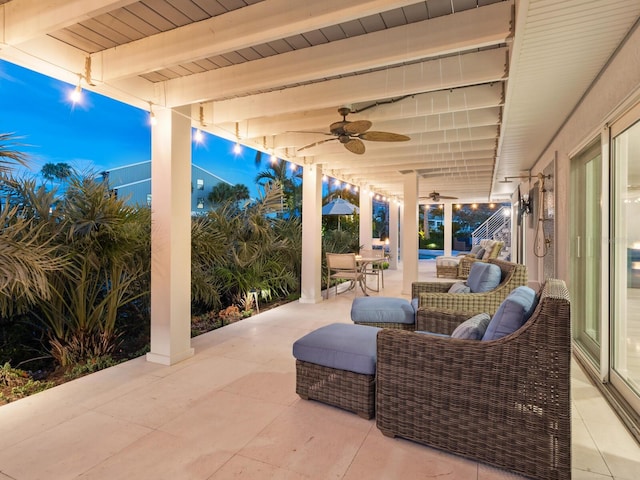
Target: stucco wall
(616, 90)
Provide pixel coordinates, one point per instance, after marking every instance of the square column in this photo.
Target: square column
(410, 232)
(448, 228)
(393, 234)
(311, 281)
(366, 218)
(171, 237)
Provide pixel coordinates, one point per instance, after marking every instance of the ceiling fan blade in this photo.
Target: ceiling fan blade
(384, 137)
(314, 144)
(356, 127)
(448, 198)
(355, 146)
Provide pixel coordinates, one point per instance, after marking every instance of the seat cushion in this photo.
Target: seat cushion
(483, 277)
(512, 313)
(473, 328)
(382, 310)
(340, 345)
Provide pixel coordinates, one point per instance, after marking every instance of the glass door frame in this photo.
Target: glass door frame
(622, 124)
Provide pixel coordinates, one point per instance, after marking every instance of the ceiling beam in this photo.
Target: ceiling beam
(28, 19)
(255, 24)
(432, 75)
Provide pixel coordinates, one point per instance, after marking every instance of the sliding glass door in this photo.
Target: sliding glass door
(625, 271)
(587, 237)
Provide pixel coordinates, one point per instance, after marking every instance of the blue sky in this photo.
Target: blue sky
(98, 133)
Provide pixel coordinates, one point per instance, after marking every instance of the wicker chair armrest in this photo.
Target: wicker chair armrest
(440, 321)
(425, 287)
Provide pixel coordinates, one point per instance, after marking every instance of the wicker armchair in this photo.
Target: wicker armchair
(434, 296)
(464, 265)
(504, 402)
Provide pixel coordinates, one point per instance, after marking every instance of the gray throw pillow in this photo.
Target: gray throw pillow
(475, 249)
(473, 328)
(459, 287)
(483, 277)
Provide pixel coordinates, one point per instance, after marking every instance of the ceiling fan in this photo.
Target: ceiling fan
(436, 197)
(351, 134)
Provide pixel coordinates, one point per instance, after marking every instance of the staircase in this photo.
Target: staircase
(496, 227)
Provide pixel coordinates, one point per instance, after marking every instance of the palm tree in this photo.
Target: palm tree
(9, 155)
(27, 253)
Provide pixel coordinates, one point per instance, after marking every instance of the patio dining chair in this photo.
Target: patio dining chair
(343, 266)
(373, 268)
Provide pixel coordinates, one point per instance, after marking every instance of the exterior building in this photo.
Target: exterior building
(133, 183)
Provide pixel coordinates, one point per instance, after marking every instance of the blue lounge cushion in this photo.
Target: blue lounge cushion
(483, 277)
(512, 313)
(459, 287)
(473, 328)
(415, 303)
(382, 310)
(340, 345)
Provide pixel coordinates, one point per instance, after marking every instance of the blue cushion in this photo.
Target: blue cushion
(473, 328)
(382, 310)
(415, 303)
(512, 313)
(484, 277)
(340, 345)
(459, 287)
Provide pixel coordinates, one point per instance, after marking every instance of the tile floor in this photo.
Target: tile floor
(231, 412)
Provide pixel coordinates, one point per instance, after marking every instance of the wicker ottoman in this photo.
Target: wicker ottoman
(336, 364)
(447, 266)
(383, 312)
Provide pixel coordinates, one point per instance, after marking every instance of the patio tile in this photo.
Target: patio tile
(584, 451)
(273, 387)
(240, 467)
(311, 439)
(161, 456)
(224, 420)
(381, 457)
(70, 449)
(577, 474)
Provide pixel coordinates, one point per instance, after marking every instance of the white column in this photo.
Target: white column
(448, 223)
(171, 237)
(410, 233)
(311, 281)
(366, 218)
(393, 234)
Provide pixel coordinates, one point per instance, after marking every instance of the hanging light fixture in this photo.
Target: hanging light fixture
(198, 136)
(153, 121)
(76, 95)
(237, 149)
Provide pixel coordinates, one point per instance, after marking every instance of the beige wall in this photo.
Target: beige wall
(616, 90)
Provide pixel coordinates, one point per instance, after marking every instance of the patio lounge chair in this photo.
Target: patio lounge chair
(434, 295)
(505, 402)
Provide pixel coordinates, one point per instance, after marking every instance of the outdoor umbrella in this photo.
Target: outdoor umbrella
(339, 207)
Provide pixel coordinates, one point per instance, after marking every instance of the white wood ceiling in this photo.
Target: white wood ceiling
(480, 86)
